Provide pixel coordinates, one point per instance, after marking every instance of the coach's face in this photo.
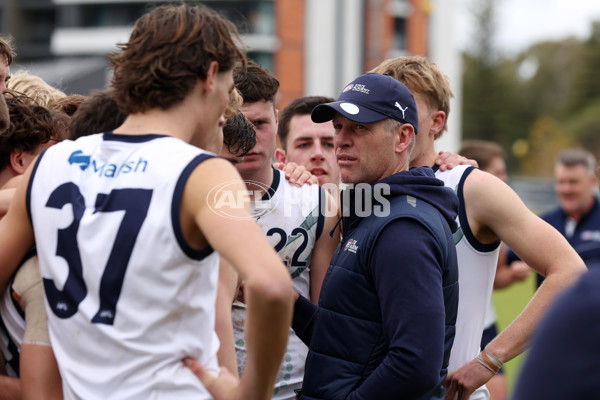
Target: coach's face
(365, 152)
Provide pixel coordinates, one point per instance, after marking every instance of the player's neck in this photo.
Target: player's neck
(425, 158)
(158, 121)
(5, 176)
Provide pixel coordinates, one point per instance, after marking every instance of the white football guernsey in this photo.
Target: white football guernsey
(490, 315)
(476, 271)
(291, 219)
(127, 297)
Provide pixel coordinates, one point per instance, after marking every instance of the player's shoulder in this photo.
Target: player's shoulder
(480, 183)
(452, 177)
(208, 173)
(68, 145)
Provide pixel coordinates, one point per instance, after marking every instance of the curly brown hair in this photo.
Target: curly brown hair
(239, 135)
(170, 48)
(31, 125)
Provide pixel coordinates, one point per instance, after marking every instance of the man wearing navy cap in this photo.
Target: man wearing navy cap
(385, 321)
(489, 213)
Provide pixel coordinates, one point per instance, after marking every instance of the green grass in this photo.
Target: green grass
(509, 303)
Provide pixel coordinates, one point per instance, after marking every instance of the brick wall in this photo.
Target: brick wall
(289, 57)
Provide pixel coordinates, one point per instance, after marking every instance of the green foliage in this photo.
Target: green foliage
(584, 125)
(494, 107)
(539, 102)
(586, 85)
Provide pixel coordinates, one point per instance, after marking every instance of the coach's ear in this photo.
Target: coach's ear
(280, 156)
(4, 116)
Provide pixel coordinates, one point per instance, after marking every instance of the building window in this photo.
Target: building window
(400, 33)
(251, 17)
(263, 58)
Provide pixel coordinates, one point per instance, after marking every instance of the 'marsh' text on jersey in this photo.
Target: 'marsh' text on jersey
(110, 170)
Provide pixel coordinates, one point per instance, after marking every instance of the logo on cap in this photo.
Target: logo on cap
(401, 109)
(357, 87)
(350, 108)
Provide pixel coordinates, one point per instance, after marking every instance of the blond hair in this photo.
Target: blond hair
(235, 102)
(35, 88)
(421, 76)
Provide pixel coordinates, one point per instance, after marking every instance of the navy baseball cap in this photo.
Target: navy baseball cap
(370, 98)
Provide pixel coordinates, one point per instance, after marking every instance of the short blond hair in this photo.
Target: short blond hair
(421, 76)
(235, 102)
(35, 88)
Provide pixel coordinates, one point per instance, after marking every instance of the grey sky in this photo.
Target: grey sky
(524, 22)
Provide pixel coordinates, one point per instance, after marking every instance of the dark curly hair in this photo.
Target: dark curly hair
(31, 125)
(170, 48)
(239, 135)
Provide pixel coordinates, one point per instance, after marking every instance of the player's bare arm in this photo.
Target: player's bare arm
(39, 373)
(10, 388)
(226, 291)
(495, 212)
(538, 244)
(324, 248)
(16, 233)
(268, 287)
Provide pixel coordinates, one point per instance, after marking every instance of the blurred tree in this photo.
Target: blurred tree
(584, 126)
(586, 86)
(547, 88)
(536, 103)
(479, 80)
(546, 139)
(491, 100)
